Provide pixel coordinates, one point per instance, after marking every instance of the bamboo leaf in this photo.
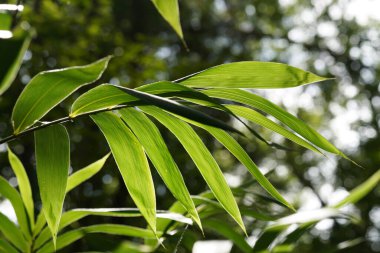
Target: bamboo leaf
(84, 174)
(111, 229)
(40, 224)
(360, 191)
(23, 184)
(170, 12)
(225, 230)
(234, 147)
(251, 74)
(10, 231)
(132, 163)
(297, 125)
(202, 159)
(260, 119)
(12, 52)
(10, 193)
(53, 161)
(7, 247)
(49, 88)
(156, 149)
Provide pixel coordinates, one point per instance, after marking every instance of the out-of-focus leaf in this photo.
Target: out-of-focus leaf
(40, 223)
(7, 247)
(360, 191)
(132, 163)
(234, 147)
(156, 149)
(202, 158)
(170, 12)
(5, 21)
(77, 214)
(10, 193)
(261, 120)
(84, 174)
(111, 229)
(53, 161)
(225, 230)
(251, 74)
(132, 247)
(49, 88)
(9, 230)
(12, 52)
(23, 185)
(297, 125)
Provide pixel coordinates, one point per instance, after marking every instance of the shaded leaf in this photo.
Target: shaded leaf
(132, 163)
(84, 174)
(23, 185)
(11, 232)
(49, 88)
(53, 161)
(12, 52)
(202, 158)
(10, 193)
(7, 247)
(251, 74)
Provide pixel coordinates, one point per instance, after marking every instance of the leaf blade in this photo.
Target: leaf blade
(202, 158)
(53, 161)
(135, 169)
(49, 88)
(250, 74)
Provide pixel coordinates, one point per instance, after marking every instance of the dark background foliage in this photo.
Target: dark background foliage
(319, 36)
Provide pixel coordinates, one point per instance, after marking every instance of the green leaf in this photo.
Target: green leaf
(178, 109)
(170, 12)
(225, 230)
(84, 174)
(10, 193)
(360, 191)
(297, 125)
(251, 74)
(260, 119)
(53, 161)
(234, 147)
(7, 247)
(23, 185)
(12, 52)
(49, 88)
(10, 231)
(40, 224)
(111, 229)
(132, 163)
(154, 145)
(5, 21)
(202, 158)
(76, 214)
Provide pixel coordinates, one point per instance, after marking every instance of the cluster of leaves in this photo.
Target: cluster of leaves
(122, 115)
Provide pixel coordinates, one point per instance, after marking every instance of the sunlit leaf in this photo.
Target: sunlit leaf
(10, 231)
(12, 52)
(202, 158)
(23, 185)
(157, 151)
(49, 88)
(260, 119)
(251, 74)
(297, 125)
(170, 12)
(132, 163)
(10, 193)
(84, 174)
(53, 161)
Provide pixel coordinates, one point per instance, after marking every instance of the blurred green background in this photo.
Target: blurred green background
(333, 38)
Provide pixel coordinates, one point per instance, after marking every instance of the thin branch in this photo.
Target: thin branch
(58, 121)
